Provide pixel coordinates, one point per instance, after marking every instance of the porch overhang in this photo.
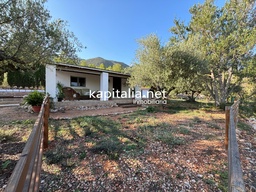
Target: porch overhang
(88, 70)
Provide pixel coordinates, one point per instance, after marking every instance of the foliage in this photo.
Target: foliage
(248, 86)
(191, 69)
(166, 67)
(30, 37)
(27, 78)
(150, 109)
(152, 67)
(104, 64)
(245, 127)
(7, 135)
(83, 62)
(4, 81)
(82, 155)
(110, 146)
(20, 79)
(91, 65)
(1, 78)
(64, 58)
(117, 67)
(5, 164)
(160, 132)
(101, 66)
(60, 93)
(54, 157)
(107, 63)
(247, 109)
(109, 68)
(226, 38)
(35, 98)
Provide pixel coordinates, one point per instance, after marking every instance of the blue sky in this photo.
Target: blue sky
(110, 28)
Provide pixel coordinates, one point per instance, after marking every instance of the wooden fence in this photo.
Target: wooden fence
(235, 175)
(26, 174)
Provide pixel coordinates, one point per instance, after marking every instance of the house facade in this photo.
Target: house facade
(86, 80)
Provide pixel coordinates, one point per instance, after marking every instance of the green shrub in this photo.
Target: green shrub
(184, 131)
(82, 155)
(27, 78)
(169, 139)
(7, 135)
(111, 146)
(5, 164)
(60, 94)
(35, 98)
(54, 157)
(150, 109)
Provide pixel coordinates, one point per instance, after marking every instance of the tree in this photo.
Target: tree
(1, 78)
(92, 65)
(149, 68)
(83, 62)
(249, 81)
(27, 78)
(102, 66)
(28, 36)
(109, 68)
(167, 67)
(190, 73)
(226, 38)
(191, 68)
(152, 67)
(63, 58)
(117, 67)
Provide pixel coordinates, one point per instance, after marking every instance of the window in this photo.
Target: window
(77, 81)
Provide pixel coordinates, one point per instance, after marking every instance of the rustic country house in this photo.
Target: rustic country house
(85, 80)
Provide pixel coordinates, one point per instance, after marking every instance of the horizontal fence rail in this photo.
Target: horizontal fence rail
(235, 174)
(26, 174)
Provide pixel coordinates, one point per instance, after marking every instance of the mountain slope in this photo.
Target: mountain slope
(98, 60)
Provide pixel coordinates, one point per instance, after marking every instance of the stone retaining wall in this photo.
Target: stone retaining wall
(88, 104)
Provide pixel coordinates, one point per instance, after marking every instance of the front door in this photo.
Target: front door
(117, 86)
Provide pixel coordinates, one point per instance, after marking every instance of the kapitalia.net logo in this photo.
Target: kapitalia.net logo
(150, 97)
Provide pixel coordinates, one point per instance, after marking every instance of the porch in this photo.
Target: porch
(85, 80)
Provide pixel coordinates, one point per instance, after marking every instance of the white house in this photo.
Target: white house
(84, 80)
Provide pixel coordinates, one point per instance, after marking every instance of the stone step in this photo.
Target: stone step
(130, 106)
(10, 100)
(121, 104)
(9, 105)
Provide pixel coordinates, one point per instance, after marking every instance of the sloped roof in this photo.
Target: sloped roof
(87, 70)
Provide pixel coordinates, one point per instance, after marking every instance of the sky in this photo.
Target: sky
(110, 28)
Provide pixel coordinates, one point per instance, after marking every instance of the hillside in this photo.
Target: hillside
(98, 60)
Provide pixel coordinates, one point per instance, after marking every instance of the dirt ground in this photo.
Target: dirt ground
(16, 113)
(192, 171)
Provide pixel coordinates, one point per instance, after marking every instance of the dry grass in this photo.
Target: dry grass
(176, 148)
(180, 147)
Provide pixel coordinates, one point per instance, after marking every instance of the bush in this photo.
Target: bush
(7, 136)
(27, 78)
(111, 146)
(54, 157)
(151, 109)
(35, 98)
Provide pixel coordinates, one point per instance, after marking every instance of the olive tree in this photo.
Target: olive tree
(28, 36)
(226, 38)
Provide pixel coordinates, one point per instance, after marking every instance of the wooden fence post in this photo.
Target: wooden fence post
(46, 117)
(227, 114)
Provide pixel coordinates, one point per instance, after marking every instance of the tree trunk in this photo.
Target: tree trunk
(191, 98)
(221, 86)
